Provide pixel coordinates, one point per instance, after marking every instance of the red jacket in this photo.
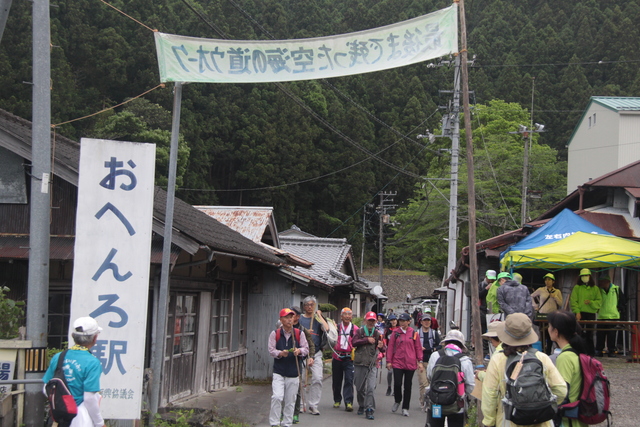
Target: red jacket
(404, 350)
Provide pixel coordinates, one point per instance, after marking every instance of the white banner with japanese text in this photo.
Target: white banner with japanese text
(191, 59)
(111, 263)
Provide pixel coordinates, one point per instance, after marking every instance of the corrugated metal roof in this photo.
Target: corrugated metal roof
(612, 220)
(251, 222)
(61, 248)
(626, 176)
(618, 103)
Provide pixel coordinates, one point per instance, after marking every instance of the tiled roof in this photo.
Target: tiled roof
(15, 135)
(325, 253)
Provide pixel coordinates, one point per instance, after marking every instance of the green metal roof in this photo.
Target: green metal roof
(618, 103)
(614, 103)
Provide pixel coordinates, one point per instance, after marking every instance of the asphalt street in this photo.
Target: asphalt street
(332, 416)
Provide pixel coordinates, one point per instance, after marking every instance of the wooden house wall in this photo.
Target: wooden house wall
(265, 301)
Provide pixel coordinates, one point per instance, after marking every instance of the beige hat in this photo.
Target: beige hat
(517, 331)
(455, 335)
(492, 330)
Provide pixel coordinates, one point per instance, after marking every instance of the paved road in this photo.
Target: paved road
(331, 417)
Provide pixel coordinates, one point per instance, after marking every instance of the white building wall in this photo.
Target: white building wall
(593, 149)
(629, 148)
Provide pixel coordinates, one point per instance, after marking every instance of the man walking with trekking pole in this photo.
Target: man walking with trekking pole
(286, 345)
(312, 320)
(367, 342)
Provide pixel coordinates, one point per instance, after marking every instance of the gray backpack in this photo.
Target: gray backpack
(528, 398)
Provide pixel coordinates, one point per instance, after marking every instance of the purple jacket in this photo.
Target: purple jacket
(405, 349)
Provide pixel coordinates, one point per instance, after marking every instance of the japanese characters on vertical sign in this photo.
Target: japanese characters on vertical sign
(111, 265)
(191, 59)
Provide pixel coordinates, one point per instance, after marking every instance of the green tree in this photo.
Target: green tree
(498, 160)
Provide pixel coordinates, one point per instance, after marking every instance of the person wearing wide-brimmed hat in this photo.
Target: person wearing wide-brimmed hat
(517, 335)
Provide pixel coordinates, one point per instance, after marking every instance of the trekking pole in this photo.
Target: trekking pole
(299, 382)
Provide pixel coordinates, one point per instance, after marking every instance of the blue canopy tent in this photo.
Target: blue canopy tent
(562, 225)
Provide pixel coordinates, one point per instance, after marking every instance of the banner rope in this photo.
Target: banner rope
(130, 17)
(162, 85)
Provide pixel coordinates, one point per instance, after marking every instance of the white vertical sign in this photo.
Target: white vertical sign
(111, 265)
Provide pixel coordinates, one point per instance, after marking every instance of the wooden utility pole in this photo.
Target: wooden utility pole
(476, 333)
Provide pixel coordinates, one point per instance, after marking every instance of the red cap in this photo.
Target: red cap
(285, 312)
(370, 315)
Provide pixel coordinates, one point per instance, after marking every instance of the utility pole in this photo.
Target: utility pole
(473, 256)
(39, 209)
(383, 219)
(451, 129)
(526, 133)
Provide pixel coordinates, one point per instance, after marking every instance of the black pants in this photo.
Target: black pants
(401, 376)
(483, 325)
(453, 420)
(588, 334)
(607, 332)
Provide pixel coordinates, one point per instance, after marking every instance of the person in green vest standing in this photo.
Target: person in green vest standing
(586, 300)
(492, 295)
(608, 311)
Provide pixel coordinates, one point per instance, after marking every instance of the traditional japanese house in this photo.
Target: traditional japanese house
(221, 284)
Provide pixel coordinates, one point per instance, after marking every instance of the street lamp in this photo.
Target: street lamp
(526, 136)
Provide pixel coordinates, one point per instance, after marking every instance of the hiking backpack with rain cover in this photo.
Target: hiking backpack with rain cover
(445, 378)
(62, 405)
(528, 398)
(592, 406)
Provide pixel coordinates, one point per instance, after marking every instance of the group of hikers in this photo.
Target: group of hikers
(357, 356)
(519, 384)
(503, 294)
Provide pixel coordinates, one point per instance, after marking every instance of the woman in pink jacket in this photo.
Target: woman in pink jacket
(404, 355)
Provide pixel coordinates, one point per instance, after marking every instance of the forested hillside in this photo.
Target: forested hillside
(284, 146)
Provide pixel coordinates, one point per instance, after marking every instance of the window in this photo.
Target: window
(59, 314)
(181, 324)
(220, 317)
(589, 122)
(594, 119)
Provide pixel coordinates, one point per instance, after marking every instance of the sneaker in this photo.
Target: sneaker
(370, 414)
(336, 404)
(405, 412)
(388, 391)
(296, 420)
(314, 411)
(360, 410)
(348, 407)
(395, 407)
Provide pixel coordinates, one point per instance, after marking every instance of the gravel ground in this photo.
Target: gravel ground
(625, 386)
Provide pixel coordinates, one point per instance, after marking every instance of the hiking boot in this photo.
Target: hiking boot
(360, 410)
(314, 411)
(296, 420)
(370, 414)
(348, 407)
(388, 391)
(395, 407)
(405, 412)
(336, 405)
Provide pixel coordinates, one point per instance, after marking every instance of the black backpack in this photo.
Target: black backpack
(445, 379)
(62, 405)
(528, 398)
